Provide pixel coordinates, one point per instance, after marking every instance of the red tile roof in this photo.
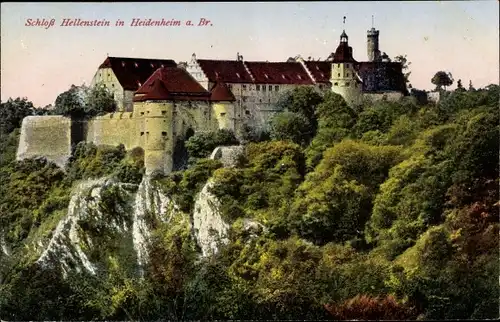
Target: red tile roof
(320, 70)
(172, 83)
(229, 71)
(133, 72)
(220, 92)
(278, 73)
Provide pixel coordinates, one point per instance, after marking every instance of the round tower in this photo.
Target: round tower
(344, 77)
(372, 45)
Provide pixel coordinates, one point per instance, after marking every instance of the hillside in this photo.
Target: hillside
(385, 212)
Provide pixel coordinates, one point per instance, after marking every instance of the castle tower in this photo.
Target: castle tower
(223, 104)
(344, 77)
(372, 44)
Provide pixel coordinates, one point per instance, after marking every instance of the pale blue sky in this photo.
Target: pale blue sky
(460, 37)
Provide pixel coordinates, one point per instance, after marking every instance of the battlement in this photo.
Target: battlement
(373, 32)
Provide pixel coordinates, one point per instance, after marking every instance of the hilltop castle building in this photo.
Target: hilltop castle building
(161, 103)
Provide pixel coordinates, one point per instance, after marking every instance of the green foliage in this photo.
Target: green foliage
(12, 113)
(292, 127)
(335, 121)
(304, 101)
(184, 185)
(201, 144)
(441, 79)
(391, 212)
(405, 66)
(263, 186)
(81, 102)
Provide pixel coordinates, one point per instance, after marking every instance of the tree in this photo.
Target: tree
(441, 79)
(99, 101)
(291, 126)
(460, 87)
(84, 102)
(303, 100)
(72, 102)
(13, 112)
(471, 87)
(405, 64)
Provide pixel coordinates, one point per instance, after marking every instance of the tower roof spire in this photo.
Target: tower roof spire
(372, 22)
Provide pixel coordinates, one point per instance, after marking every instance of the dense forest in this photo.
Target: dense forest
(387, 211)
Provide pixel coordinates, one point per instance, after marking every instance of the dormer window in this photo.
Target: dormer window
(123, 64)
(152, 65)
(284, 77)
(300, 77)
(139, 83)
(162, 65)
(136, 65)
(317, 67)
(322, 75)
(237, 74)
(266, 76)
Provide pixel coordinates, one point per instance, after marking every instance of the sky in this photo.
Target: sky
(460, 37)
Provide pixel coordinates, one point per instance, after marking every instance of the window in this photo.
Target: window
(104, 85)
(347, 65)
(112, 85)
(147, 133)
(247, 112)
(338, 65)
(147, 112)
(222, 114)
(270, 88)
(142, 113)
(230, 86)
(244, 87)
(336, 84)
(163, 133)
(276, 88)
(163, 112)
(142, 133)
(258, 88)
(264, 88)
(347, 84)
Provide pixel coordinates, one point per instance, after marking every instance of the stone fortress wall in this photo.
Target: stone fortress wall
(45, 136)
(153, 126)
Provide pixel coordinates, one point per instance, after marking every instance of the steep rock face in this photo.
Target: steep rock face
(208, 225)
(228, 155)
(105, 209)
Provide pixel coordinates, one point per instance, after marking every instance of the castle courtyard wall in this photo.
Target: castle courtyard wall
(115, 128)
(45, 136)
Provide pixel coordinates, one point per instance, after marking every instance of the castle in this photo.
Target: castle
(161, 103)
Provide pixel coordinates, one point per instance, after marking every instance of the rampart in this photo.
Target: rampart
(45, 136)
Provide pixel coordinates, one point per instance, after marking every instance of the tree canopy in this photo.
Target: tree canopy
(84, 102)
(442, 79)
